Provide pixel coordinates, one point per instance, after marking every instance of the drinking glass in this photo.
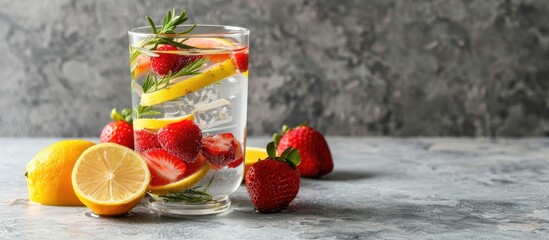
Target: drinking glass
(184, 85)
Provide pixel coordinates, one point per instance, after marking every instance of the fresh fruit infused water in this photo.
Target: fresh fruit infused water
(189, 96)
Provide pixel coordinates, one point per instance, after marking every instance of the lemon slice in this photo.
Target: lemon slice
(211, 75)
(245, 73)
(253, 154)
(182, 184)
(154, 124)
(110, 179)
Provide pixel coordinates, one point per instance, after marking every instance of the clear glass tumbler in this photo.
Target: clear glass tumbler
(189, 99)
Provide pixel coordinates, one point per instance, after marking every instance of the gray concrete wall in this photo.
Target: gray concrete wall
(383, 67)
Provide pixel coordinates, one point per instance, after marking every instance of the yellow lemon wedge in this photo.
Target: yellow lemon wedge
(154, 124)
(253, 154)
(182, 184)
(49, 173)
(211, 75)
(110, 179)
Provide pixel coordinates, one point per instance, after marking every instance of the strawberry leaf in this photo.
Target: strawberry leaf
(285, 152)
(276, 138)
(271, 150)
(116, 116)
(293, 158)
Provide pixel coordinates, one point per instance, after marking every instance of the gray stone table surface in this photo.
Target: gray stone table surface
(381, 188)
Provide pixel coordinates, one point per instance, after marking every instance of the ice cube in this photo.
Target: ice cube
(202, 96)
(212, 114)
(172, 109)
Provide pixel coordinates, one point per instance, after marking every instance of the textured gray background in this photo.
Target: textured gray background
(385, 67)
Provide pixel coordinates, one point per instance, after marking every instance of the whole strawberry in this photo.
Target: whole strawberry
(316, 159)
(146, 140)
(170, 63)
(273, 183)
(121, 130)
(182, 139)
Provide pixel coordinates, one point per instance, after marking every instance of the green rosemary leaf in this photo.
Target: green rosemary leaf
(134, 66)
(188, 30)
(149, 83)
(152, 24)
(140, 111)
(146, 52)
(153, 83)
(190, 69)
(189, 195)
(173, 42)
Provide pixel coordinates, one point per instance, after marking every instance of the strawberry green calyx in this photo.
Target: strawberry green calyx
(125, 116)
(290, 155)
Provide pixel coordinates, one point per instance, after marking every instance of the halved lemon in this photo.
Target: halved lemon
(253, 155)
(209, 76)
(154, 124)
(110, 179)
(182, 184)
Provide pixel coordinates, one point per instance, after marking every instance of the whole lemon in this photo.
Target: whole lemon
(49, 173)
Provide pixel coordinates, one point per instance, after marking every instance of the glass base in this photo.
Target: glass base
(190, 209)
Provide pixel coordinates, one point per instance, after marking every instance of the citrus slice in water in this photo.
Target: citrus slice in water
(209, 76)
(155, 124)
(211, 43)
(194, 173)
(110, 179)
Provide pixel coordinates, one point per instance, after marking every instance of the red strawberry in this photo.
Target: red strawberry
(120, 131)
(316, 159)
(164, 167)
(170, 62)
(239, 158)
(241, 59)
(273, 183)
(146, 140)
(219, 149)
(183, 139)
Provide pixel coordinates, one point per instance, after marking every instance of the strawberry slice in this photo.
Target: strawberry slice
(241, 59)
(237, 154)
(170, 62)
(146, 140)
(164, 167)
(218, 149)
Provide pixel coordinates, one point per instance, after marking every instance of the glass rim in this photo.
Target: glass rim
(232, 31)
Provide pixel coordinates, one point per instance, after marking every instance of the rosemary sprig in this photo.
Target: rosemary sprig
(192, 195)
(169, 24)
(140, 111)
(151, 83)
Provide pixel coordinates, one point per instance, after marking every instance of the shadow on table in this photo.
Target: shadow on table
(349, 175)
